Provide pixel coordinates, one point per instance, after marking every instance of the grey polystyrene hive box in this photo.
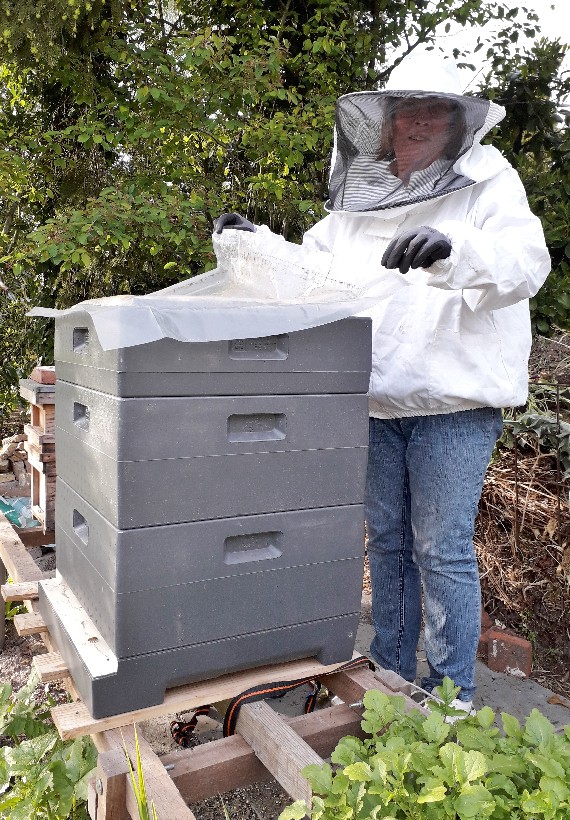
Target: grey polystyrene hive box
(332, 358)
(233, 455)
(215, 487)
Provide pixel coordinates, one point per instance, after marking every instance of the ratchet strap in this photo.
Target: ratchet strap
(182, 731)
(277, 690)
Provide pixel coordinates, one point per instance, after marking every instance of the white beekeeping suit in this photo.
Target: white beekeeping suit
(460, 337)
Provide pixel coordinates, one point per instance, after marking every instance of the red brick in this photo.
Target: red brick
(44, 374)
(508, 653)
(486, 621)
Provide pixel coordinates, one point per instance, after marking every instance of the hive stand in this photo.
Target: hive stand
(265, 745)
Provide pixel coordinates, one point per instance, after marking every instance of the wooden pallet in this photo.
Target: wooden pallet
(265, 745)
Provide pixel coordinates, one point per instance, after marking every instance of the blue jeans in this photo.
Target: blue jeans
(425, 476)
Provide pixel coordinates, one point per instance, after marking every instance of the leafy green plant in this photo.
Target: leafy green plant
(12, 608)
(146, 811)
(413, 765)
(41, 776)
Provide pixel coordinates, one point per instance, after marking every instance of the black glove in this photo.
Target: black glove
(416, 248)
(235, 221)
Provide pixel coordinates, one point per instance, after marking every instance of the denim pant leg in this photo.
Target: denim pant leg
(395, 580)
(447, 457)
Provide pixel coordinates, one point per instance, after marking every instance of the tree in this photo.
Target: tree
(126, 127)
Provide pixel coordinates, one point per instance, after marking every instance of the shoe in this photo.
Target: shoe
(465, 706)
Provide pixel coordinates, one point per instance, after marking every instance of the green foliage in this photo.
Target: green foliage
(145, 811)
(542, 425)
(417, 766)
(125, 128)
(40, 775)
(535, 137)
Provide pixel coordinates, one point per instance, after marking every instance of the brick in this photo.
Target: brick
(43, 374)
(509, 653)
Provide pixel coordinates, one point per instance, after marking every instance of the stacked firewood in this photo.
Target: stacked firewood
(13, 460)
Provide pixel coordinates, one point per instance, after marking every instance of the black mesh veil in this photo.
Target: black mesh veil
(395, 148)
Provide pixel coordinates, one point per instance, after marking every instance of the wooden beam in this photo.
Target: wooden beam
(37, 437)
(280, 750)
(73, 719)
(35, 536)
(230, 763)
(351, 686)
(19, 564)
(50, 667)
(111, 786)
(35, 393)
(24, 591)
(29, 624)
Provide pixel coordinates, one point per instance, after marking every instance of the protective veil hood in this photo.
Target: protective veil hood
(416, 139)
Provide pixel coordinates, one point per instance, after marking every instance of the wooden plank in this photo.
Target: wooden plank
(24, 591)
(230, 763)
(111, 786)
(43, 417)
(280, 750)
(351, 686)
(35, 536)
(159, 785)
(37, 437)
(19, 564)
(29, 624)
(50, 667)
(43, 374)
(45, 468)
(35, 393)
(41, 454)
(73, 719)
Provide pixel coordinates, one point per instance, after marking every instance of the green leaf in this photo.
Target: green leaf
(433, 795)
(348, 750)
(557, 787)
(474, 801)
(296, 811)
(360, 772)
(536, 803)
(486, 717)
(538, 729)
(473, 737)
(548, 765)
(319, 777)
(475, 765)
(435, 729)
(511, 726)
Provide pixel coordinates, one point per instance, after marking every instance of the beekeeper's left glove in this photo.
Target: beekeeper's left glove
(234, 221)
(416, 248)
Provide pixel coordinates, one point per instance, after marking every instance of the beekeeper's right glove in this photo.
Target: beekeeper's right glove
(234, 221)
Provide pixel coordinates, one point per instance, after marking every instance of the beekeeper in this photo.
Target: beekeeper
(413, 189)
